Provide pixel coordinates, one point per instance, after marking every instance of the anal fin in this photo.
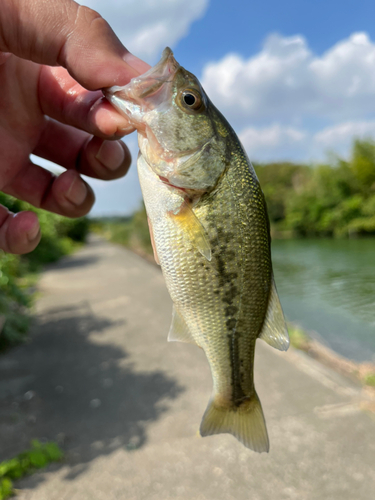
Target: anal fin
(179, 331)
(274, 330)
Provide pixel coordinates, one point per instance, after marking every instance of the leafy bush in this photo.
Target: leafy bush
(60, 236)
(336, 200)
(75, 229)
(59, 233)
(370, 379)
(14, 301)
(298, 338)
(25, 463)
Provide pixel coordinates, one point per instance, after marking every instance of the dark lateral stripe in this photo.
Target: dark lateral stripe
(234, 356)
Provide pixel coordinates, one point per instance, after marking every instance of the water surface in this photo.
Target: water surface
(328, 287)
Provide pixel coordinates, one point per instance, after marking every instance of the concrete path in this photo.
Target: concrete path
(99, 377)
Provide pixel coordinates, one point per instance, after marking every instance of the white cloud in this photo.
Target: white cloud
(272, 136)
(339, 138)
(277, 142)
(146, 27)
(273, 142)
(340, 134)
(289, 103)
(286, 82)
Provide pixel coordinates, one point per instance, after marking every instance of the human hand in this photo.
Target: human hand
(55, 55)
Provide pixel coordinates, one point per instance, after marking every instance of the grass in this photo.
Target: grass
(27, 462)
(369, 379)
(298, 338)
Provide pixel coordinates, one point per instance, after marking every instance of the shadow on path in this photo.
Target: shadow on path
(70, 386)
(73, 261)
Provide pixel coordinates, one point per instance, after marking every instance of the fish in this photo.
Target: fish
(210, 234)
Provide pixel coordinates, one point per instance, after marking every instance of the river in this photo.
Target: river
(328, 288)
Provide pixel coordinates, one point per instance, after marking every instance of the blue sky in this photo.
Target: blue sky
(241, 26)
(296, 78)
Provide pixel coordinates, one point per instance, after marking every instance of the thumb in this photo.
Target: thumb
(62, 32)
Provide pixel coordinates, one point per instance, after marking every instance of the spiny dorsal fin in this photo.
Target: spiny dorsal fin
(274, 330)
(190, 224)
(179, 331)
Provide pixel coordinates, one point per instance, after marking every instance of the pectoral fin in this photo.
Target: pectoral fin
(179, 331)
(274, 330)
(194, 230)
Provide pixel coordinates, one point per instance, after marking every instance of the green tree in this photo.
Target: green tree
(362, 163)
(327, 200)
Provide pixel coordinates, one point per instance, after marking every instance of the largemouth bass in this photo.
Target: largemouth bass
(210, 233)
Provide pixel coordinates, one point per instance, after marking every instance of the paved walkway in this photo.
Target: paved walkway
(99, 377)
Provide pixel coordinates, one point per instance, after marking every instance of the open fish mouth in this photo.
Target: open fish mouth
(151, 81)
(128, 98)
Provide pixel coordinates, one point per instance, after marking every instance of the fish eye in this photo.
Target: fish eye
(191, 99)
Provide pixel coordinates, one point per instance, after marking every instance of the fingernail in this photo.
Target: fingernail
(33, 233)
(127, 130)
(77, 192)
(111, 154)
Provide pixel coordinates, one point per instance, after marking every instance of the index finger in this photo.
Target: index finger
(62, 32)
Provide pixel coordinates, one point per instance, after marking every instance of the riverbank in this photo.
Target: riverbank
(363, 373)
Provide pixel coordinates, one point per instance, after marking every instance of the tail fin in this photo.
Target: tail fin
(245, 422)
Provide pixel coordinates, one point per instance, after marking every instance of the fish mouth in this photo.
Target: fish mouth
(135, 96)
(151, 81)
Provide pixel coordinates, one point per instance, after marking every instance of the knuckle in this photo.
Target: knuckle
(87, 17)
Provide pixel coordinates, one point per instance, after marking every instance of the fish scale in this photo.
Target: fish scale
(210, 233)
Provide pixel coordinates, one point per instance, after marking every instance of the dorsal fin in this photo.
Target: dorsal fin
(274, 330)
(179, 331)
(194, 230)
